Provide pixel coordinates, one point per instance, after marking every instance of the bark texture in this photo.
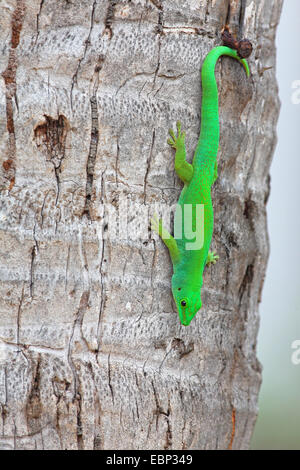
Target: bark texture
(92, 354)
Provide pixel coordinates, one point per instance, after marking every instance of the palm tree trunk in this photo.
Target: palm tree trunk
(92, 354)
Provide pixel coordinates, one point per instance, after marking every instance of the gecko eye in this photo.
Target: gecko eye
(183, 303)
(179, 288)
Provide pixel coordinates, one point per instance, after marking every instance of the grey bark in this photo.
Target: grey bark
(92, 354)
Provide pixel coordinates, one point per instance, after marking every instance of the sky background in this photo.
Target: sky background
(278, 424)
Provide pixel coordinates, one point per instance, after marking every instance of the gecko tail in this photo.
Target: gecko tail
(212, 57)
(245, 65)
(208, 143)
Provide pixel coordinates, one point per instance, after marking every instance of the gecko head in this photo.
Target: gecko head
(188, 302)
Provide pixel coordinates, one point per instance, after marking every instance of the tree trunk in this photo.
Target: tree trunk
(92, 353)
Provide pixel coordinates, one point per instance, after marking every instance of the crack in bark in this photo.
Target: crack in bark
(33, 253)
(166, 414)
(91, 159)
(90, 167)
(242, 17)
(137, 74)
(109, 18)
(87, 43)
(78, 334)
(169, 435)
(227, 20)
(34, 347)
(246, 282)
(34, 237)
(97, 443)
(171, 77)
(117, 162)
(38, 21)
(19, 317)
(79, 431)
(148, 165)
(9, 76)
(160, 33)
(4, 406)
(233, 429)
(29, 434)
(182, 348)
(109, 380)
(157, 4)
(34, 404)
(103, 295)
(67, 267)
(206, 12)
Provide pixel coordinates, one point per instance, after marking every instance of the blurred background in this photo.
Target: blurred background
(278, 424)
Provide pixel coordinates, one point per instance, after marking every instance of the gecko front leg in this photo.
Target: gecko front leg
(169, 241)
(183, 169)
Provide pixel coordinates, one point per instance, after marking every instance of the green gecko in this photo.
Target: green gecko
(194, 209)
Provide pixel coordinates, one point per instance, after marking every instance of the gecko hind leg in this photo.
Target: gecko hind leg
(169, 241)
(212, 258)
(183, 169)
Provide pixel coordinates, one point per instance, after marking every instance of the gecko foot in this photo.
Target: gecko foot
(212, 258)
(156, 224)
(177, 142)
